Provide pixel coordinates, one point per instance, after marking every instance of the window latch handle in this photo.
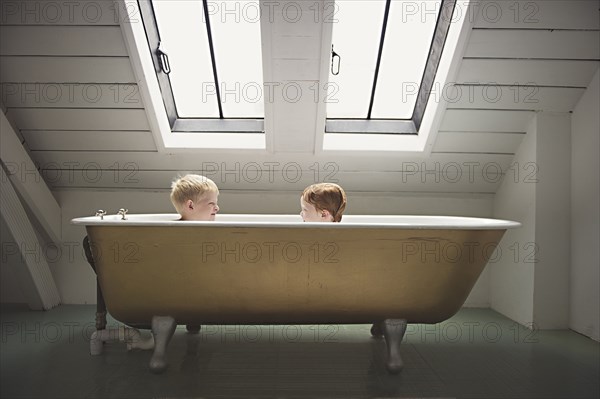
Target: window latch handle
(164, 59)
(335, 71)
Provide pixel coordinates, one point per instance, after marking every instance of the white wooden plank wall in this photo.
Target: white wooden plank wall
(68, 85)
(442, 173)
(522, 57)
(540, 14)
(67, 82)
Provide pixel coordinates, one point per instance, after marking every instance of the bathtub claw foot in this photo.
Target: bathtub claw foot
(193, 328)
(393, 331)
(376, 330)
(163, 328)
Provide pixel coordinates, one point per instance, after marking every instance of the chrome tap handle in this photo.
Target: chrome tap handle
(100, 213)
(123, 213)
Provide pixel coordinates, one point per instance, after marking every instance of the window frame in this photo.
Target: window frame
(325, 144)
(410, 126)
(185, 124)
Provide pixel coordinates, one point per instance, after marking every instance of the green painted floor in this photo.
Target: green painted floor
(476, 354)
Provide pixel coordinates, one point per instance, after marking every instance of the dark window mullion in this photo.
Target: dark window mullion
(383, 29)
(153, 36)
(212, 57)
(438, 42)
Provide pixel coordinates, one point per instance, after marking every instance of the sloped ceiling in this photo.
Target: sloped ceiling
(69, 89)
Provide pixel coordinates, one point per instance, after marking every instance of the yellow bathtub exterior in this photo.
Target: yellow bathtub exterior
(283, 275)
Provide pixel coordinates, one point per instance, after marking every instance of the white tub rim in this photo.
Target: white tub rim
(295, 221)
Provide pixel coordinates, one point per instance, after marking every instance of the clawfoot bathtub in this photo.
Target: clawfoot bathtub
(154, 270)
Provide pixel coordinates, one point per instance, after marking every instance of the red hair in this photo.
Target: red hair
(326, 196)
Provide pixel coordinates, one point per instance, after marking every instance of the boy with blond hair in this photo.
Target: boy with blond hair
(195, 197)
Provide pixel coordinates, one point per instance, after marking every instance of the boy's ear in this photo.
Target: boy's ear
(189, 204)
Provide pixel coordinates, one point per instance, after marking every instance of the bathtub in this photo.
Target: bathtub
(154, 270)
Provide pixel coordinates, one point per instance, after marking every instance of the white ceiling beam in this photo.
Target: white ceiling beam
(36, 280)
(292, 63)
(27, 181)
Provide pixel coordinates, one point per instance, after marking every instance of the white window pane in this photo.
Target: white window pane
(407, 43)
(236, 36)
(356, 36)
(235, 28)
(184, 39)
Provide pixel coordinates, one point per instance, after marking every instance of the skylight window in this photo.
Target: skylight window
(208, 61)
(406, 47)
(202, 62)
(358, 49)
(389, 52)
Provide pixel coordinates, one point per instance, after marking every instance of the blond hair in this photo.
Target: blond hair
(326, 196)
(192, 187)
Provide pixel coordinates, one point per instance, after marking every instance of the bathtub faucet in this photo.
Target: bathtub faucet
(100, 213)
(123, 213)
